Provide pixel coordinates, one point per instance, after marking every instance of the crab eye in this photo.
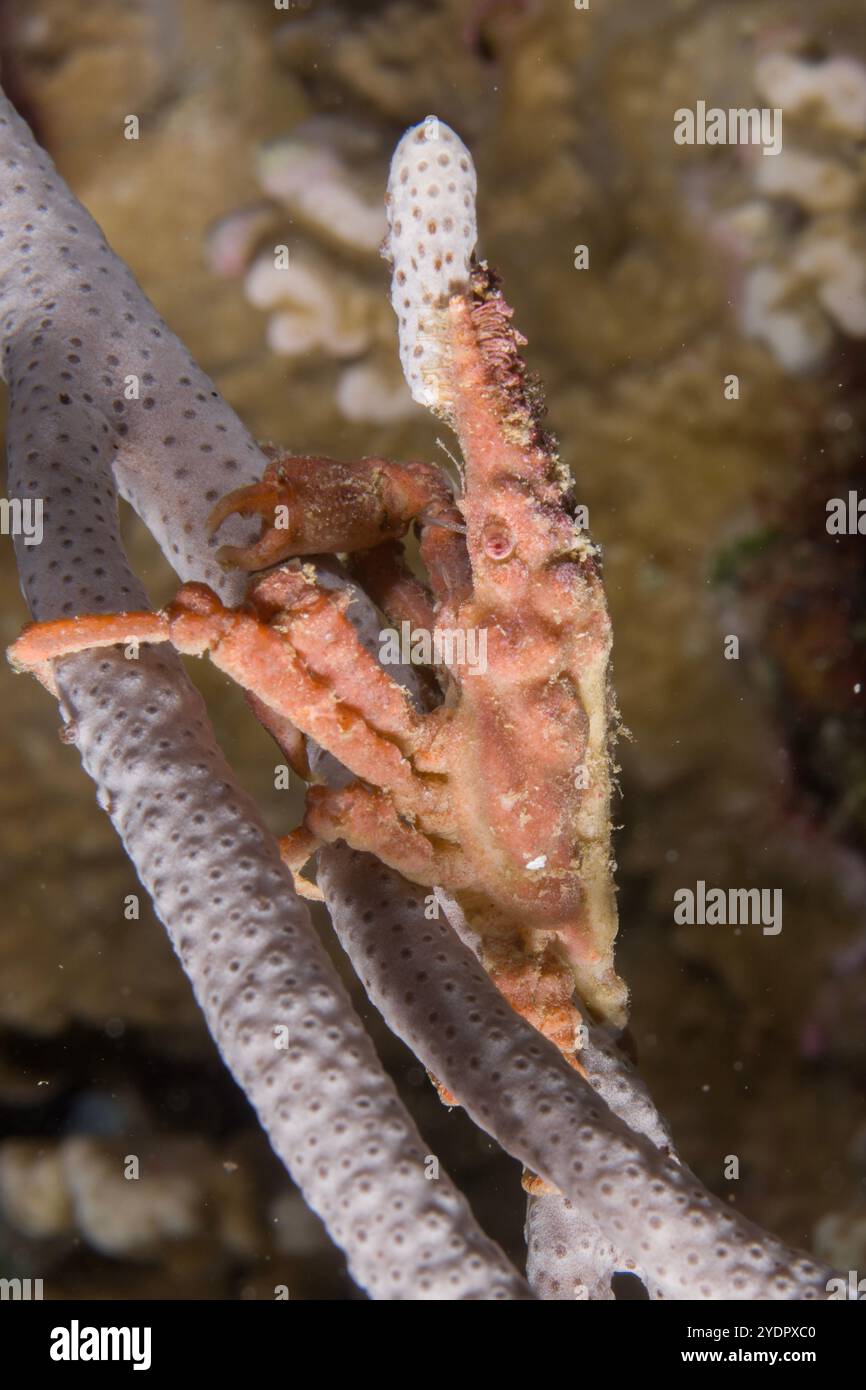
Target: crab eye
(498, 541)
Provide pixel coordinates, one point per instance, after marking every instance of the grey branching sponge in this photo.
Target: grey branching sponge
(78, 332)
(597, 1146)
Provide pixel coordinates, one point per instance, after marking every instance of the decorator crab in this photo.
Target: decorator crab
(500, 794)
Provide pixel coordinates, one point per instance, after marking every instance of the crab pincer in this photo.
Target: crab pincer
(311, 505)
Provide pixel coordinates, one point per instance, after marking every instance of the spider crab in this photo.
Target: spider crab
(500, 794)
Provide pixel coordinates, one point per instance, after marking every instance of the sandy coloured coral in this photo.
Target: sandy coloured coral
(308, 255)
(131, 1200)
(802, 236)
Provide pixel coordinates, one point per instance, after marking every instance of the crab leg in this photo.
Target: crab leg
(288, 738)
(529, 968)
(42, 643)
(368, 819)
(446, 559)
(386, 578)
(296, 849)
(260, 659)
(540, 987)
(315, 624)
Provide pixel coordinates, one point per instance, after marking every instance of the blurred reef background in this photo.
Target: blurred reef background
(261, 126)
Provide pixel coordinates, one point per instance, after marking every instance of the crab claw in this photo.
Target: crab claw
(310, 506)
(257, 499)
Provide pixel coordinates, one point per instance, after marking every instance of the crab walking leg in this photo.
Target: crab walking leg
(296, 849)
(288, 738)
(386, 578)
(446, 560)
(259, 659)
(315, 624)
(367, 819)
(533, 977)
(42, 643)
(388, 581)
(528, 968)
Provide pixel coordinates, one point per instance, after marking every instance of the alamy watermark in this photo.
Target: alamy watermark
(739, 125)
(853, 1288)
(77, 1343)
(732, 907)
(21, 1290)
(846, 516)
(444, 646)
(22, 516)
